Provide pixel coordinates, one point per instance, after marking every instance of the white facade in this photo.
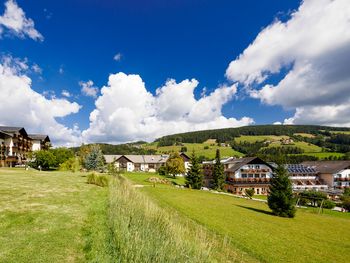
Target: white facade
(252, 171)
(36, 146)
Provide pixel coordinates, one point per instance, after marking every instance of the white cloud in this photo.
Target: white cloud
(66, 93)
(37, 69)
(20, 105)
(14, 20)
(61, 70)
(126, 111)
(88, 89)
(117, 57)
(313, 47)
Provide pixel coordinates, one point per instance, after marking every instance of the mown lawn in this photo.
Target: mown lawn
(308, 237)
(44, 215)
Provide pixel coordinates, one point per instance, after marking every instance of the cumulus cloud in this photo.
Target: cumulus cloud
(66, 93)
(126, 111)
(20, 105)
(117, 57)
(313, 48)
(88, 89)
(15, 21)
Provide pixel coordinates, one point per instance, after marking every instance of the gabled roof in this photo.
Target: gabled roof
(4, 135)
(40, 137)
(146, 158)
(185, 156)
(328, 167)
(10, 129)
(111, 158)
(239, 162)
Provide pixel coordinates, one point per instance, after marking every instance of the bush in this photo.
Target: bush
(97, 179)
(162, 170)
(328, 204)
(206, 147)
(71, 164)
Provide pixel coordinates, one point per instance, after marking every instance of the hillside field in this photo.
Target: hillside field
(225, 151)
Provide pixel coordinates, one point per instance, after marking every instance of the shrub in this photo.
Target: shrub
(328, 204)
(71, 164)
(162, 170)
(97, 179)
(206, 147)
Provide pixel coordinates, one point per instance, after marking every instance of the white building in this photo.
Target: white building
(336, 174)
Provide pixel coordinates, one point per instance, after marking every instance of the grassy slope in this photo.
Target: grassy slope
(43, 215)
(307, 238)
(307, 147)
(199, 149)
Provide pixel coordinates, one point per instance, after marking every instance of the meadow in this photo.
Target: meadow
(43, 215)
(58, 217)
(250, 227)
(206, 149)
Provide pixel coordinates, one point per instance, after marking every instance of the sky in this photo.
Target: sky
(86, 71)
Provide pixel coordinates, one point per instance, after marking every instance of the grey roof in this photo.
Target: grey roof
(329, 167)
(239, 162)
(4, 134)
(41, 137)
(11, 129)
(147, 158)
(111, 158)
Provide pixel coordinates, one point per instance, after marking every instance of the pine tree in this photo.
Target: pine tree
(194, 178)
(94, 159)
(280, 199)
(218, 172)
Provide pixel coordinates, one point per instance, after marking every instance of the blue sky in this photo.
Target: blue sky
(157, 40)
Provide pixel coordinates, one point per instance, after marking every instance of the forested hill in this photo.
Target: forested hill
(228, 134)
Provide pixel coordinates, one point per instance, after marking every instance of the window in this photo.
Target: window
(250, 175)
(256, 175)
(244, 176)
(257, 191)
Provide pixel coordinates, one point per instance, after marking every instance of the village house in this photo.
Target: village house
(137, 163)
(142, 163)
(241, 174)
(336, 174)
(16, 144)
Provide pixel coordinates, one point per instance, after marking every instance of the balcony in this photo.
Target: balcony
(342, 179)
(302, 178)
(253, 171)
(248, 180)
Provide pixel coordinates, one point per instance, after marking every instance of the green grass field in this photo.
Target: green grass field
(323, 155)
(58, 217)
(275, 142)
(199, 149)
(43, 215)
(309, 237)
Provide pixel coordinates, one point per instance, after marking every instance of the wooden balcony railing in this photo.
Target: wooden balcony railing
(342, 179)
(248, 180)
